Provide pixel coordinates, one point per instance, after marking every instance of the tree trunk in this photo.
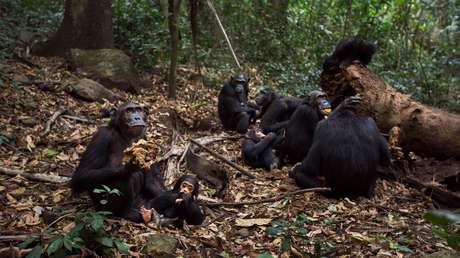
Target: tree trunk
(425, 130)
(173, 7)
(194, 28)
(87, 24)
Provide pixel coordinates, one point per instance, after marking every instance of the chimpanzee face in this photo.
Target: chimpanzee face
(186, 184)
(239, 84)
(130, 118)
(319, 99)
(255, 134)
(187, 187)
(265, 97)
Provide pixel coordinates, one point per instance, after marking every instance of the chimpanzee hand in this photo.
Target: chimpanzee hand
(252, 115)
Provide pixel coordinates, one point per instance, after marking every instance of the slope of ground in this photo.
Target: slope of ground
(390, 224)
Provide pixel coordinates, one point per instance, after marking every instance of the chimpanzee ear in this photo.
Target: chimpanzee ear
(146, 110)
(248, 80)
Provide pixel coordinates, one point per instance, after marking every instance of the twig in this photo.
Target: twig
(35, 177)
(224, 159)
(53, 118)
(57, 220)
(273, 199)
(76, 118)
(18, 237)
(182, 156)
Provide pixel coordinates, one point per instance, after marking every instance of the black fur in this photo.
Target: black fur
(258, 152)
(187, 209)
(101, 164)
(349, 50)
(346, 150)
(300, 129)
(275, 110)
(234, 111)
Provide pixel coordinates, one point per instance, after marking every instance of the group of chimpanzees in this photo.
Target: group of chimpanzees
(340, 148)
(140, 190)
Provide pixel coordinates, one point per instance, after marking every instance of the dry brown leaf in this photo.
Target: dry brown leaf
(252, 222)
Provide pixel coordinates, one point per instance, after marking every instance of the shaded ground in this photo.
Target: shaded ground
(390, 224)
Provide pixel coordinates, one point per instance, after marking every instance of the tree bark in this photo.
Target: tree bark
(173, 7)
(425, 130)
(87, 24)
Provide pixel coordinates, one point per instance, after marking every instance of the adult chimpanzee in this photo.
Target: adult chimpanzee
(257, 149)
(233, 108)
(101, 164)
(348, 51)
(346, 150)
(177, 203)
(275, 110)
(301, 126)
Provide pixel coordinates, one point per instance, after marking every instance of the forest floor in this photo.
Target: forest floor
(390, 224)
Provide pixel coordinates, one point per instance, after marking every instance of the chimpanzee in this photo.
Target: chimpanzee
(234, 110)
(346, 150)
(301, 126)
(348, 51)
(101, 164)
(275, 110)
(177, 203)
(257, 149)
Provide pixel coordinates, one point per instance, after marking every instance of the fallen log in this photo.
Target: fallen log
(425, 130)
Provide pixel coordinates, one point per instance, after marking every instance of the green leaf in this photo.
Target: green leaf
(328, 221)
(265, 255)
(272, 231)
(280, 223)
(106, 188)
(55, 245)
(50, 152)
(97, 223)
(121, 246)
(286, 244)
(224, 254)
(103, 201)
(36, 252)
(115, 191)
(441, 217)
(332, 208)
(404, 249)
(27, 242)
(106, 241)
(98, 190)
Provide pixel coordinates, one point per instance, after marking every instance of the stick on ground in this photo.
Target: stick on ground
(35, 177)
(53, 118)
(273, 199)
(224, 159)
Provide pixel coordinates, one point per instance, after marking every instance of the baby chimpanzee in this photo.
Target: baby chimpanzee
(177, 203)
(257, 150)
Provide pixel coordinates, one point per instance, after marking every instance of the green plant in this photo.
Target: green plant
(445, 224)
(89, 232)
(106, 191)
(299, 229)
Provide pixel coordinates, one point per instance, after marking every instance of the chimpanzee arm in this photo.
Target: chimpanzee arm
(276, 127)
(306, 174)
(276, 110)
(153, 182)
(94, 168)
(263, 144)
(191, 212)
(165, 204)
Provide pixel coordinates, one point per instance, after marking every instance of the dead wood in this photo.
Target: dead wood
(35, 177)
(273, 199)
(53, 118)
(207, 170)
(76, 118)
(437, 193)
(224, 159)
(425, 130)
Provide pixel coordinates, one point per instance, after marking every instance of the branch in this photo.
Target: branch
(35, 177)
(53, 118)
(76, 118)
(224, 159)
(273, 199)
